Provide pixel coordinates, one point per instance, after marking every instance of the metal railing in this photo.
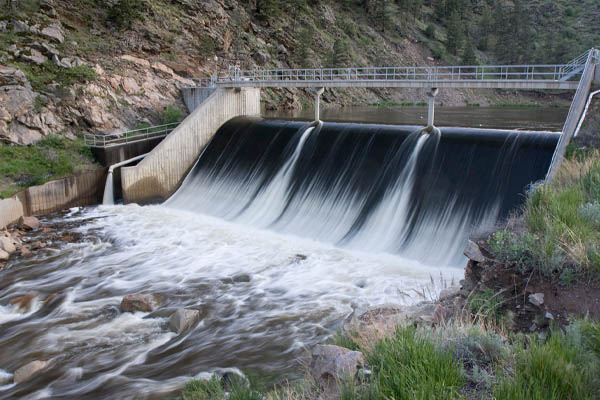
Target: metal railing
(570, 71)
(136, 135)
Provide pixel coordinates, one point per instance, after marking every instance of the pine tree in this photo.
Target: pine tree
(301, 55)
(340, 55)
(469, 56)
(454, 33)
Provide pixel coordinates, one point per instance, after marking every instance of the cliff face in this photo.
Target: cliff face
(102, 66)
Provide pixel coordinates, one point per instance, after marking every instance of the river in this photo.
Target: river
(265, 298)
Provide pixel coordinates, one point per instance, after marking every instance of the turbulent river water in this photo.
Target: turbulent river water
(265, 295)
(264, 300)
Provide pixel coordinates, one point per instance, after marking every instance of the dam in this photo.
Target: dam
(274, 231)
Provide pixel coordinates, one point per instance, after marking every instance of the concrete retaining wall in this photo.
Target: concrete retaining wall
(78, 190)
(158, 176)
(111, 155)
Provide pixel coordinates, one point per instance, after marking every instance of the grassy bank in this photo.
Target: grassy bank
(558, 231)
(52, 158)
(459, 360)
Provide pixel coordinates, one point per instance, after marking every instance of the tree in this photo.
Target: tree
(125, 12)
(301, 55)
(267, 9)
(469, 56)
(454, 33)
(340, 55)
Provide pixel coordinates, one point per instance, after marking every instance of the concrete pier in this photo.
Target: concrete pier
(159, 175)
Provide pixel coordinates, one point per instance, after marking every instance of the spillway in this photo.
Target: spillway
(372, 188)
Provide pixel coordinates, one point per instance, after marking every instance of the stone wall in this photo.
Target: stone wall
(162, 171)
(78, 190)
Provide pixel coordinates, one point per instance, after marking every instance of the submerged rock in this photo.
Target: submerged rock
(333, 363)
(25, 302)
(27, 371)
(140, 302)
(241, 278)
(183, 319)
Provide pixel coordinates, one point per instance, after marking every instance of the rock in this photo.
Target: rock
(73, 62)
(140, 302)
(38, 244)
(25, 252)
(282, 50)
(261, 57)
(26, 372)
(183, 319)
(25, 303)
(473, 252)
(10, 76)
(130, 86)
(35, 57)
(54, 32)
(4, 256)
(549, 315)
(135, 60)
(331, 363)
(163, 68)
(241, 278)
(7, 245)
(29, 223)
(440, 314)
(20, 27)
(537, 299)
(57, 61)
(3, 25)
(448, 293)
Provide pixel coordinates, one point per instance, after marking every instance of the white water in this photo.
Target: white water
(299, 292)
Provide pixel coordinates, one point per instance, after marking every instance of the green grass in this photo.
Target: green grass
(51, 158)
(40, 76)
(562, 223)
(486, 305)
(408, 366)
(556, 369)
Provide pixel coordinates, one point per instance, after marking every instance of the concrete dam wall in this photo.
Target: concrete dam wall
(159, 175)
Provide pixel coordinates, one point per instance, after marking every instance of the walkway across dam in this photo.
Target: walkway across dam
(540, 76)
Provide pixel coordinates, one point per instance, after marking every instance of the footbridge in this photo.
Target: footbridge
(215, 100)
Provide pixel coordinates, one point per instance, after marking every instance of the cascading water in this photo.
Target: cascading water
(350, 216)
(371, 188)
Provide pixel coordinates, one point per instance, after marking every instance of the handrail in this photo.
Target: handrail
(135, 135)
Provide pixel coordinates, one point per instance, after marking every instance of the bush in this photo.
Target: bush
(486, 305)
(171, 115)
(206, 46)
(125, 12)
(430, 31)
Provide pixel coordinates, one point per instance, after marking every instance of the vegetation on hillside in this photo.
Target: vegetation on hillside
(52, 158)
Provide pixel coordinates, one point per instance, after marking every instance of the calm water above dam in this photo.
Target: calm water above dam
(536, 118)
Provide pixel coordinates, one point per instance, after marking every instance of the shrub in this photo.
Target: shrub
(486, 305)
(210, 389)
(171, 115)
(408, 366)
(430, 31)
(206, 46)
(125, 12)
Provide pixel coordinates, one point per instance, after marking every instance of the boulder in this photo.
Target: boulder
(473, 252)
(537, 299)
(29, 223)
(35, 57)
(334, 363)
(7, 245)
(183, 319)
(20, 27)
(4, 256)
(10, 76)
(130, 86)
(261, 57)
(140, 302)
(241, 278)
(25, 303)
(448, 293)
(136, 60)
(27, 371)
(54, 32)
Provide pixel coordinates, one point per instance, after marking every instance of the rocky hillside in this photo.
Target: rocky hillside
(75, 66)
